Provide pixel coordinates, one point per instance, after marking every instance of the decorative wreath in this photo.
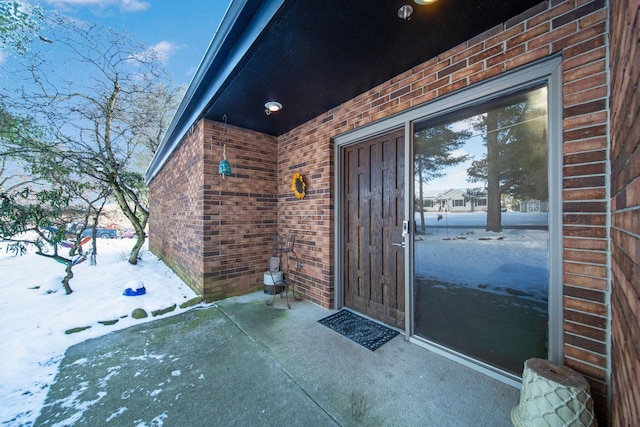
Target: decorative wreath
(298, 186)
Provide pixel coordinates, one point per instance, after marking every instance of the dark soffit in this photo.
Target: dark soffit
(315, 55)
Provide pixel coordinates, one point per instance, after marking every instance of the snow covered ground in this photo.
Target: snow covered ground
(457, 249)
(35, 313)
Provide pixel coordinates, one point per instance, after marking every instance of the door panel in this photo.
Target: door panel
(374, 203)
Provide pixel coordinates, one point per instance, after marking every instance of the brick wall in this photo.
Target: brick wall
(311, 154)
(175, 224)
(214, 232)
(239, 211)
(575, 29)
(224, 224)
(625, 212)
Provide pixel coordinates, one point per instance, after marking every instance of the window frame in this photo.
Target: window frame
(545, 71)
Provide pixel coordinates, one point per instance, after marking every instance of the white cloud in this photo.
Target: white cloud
(133, 5)
(161, 51)
(164, 50)
(124, 5)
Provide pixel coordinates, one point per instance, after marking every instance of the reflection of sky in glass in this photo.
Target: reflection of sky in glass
(456, 176)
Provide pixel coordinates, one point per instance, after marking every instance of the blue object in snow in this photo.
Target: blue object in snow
(132, 293)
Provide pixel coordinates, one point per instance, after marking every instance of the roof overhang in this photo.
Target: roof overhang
(314, 55)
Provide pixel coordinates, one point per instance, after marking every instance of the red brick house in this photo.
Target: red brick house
(367, 94)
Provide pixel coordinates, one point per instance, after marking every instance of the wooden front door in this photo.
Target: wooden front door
(373, 215)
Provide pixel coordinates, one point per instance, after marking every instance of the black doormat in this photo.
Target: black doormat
(363, 331)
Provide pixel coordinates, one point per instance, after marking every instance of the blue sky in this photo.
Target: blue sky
(180, 30)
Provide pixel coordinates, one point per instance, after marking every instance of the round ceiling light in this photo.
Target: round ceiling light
(424, 2)
(405, 12)
(272, 107)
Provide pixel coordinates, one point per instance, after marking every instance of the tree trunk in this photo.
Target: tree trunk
(494, 214)
(118, 189)
(138, 225)
(133, 256)
(67, 278)
(94, 246)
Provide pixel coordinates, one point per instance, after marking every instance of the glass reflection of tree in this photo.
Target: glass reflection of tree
(433, 151)
(515, 162)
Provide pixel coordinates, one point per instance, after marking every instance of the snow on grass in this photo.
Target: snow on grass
(35, 313)
(457, 249)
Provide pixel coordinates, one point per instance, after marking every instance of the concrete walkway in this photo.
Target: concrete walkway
(242, 363)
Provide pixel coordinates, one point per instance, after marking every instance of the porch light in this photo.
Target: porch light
(425, 2)
(272, 107)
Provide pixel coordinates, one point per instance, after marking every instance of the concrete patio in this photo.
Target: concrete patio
(240, 362)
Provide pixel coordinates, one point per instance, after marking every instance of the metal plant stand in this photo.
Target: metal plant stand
(283, 249)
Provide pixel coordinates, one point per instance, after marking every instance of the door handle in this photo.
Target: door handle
(401, 245)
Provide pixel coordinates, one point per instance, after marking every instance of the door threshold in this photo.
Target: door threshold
(484, 368)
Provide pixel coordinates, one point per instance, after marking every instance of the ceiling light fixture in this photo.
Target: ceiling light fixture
(272, 107)
(405, 12)
(425, 2)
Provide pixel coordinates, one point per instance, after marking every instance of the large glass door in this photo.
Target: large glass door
(481, 241)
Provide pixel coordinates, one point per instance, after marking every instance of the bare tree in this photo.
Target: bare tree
(97, 108)
(154, 113)
(40, 194)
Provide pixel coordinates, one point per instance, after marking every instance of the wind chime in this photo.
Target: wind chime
(224, 168)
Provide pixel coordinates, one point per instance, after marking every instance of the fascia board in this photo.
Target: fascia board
(209, 77)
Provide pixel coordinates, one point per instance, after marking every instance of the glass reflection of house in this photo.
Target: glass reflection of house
(454, 200)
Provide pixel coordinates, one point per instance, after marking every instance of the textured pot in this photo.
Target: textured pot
(553, 395)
